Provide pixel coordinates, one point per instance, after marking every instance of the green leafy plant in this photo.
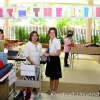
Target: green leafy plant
(43, 38)
(21, 34)
(95, 39)
(63, 23)
(61, 39)
(39, 21)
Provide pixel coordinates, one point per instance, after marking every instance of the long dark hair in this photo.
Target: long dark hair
(31, 34)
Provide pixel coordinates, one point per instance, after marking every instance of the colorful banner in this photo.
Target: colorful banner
(96, 12)
(47, 12)
(36, 12)
(51, 12)
(86, 12)
(73, 12)
(7, 12)
(22, 12)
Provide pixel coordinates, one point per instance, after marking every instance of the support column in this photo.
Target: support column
(89, 25)
(6, 21)
(15, 9)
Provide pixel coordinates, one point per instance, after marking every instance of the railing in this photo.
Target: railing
(79, 34)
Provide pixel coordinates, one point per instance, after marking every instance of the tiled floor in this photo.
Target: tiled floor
(67, 97)
(86, 71)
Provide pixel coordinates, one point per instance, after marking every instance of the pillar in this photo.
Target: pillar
(6, 21)
(89, 25)
(15, 10)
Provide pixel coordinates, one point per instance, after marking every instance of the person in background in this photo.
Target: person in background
(53, 67)
(33, 53)
(67, 47)
(1, 35)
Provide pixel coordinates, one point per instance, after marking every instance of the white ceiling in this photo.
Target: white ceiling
(96, 2)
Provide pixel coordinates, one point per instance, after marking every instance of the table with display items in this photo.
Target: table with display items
(6, 77)
(25, 83)
(17, 59)
(85, 50)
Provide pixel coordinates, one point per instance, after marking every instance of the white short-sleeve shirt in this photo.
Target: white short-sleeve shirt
(54, 45)
(34, 52)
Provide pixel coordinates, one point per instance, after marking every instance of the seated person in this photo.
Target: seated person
(1, 35)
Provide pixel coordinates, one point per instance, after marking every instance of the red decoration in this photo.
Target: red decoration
(1, 64)
(72, 44)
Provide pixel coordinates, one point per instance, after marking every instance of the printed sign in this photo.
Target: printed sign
(27, 70)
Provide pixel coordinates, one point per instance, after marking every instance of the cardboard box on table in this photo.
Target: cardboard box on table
(85, 50)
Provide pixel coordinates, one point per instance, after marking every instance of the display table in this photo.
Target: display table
(22, 59)
(85, 50)
(6, 76)
(21, 82)
(12, 40)
(3, 79)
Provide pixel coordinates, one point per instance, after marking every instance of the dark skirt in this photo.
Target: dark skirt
(53, 68)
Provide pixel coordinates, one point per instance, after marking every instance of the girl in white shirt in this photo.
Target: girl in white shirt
(53, 68)
(33, 52)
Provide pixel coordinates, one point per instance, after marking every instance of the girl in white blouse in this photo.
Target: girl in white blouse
(33, 52)
(53, 68)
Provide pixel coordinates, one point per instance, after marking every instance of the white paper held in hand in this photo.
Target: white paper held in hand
(27, 70)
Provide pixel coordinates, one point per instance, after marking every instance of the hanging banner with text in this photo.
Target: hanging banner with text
(51, 12)
(35, 12)
(7, 12)
(47, 12)
(83, 12)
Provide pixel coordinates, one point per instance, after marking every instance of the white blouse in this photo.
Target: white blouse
(54, 45)
(34, 52)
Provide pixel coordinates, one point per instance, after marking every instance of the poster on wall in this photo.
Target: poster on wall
(47, 12)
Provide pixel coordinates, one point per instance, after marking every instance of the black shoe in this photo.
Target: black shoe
(21, 95)
(28, 95)
(66, 66)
